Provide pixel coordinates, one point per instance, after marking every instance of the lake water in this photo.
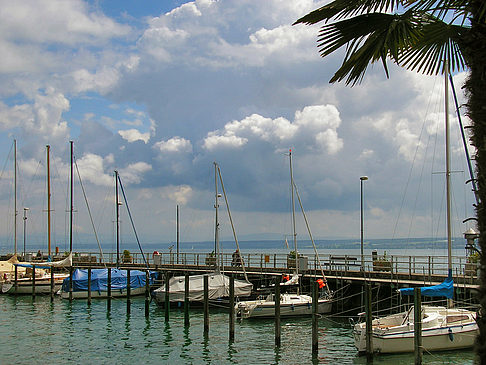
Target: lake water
(40, 332)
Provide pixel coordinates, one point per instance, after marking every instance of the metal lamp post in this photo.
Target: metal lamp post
(25, 223)
(362, 178)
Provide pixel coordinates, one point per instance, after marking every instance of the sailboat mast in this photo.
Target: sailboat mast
(15, 196)
(48, 203)
(294, 233)
(448, 170)
(216, 229)
(71, 203)
(117, 203)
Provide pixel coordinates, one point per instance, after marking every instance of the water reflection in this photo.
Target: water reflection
(186, 346)
(231, 352)
(278, 355)
(205, 349)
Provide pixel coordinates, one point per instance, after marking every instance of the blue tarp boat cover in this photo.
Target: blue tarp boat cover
(99, 279)
(444, 289)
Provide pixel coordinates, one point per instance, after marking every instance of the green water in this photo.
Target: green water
(41, 332)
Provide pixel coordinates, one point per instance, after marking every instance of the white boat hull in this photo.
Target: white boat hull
(290, 306)
(437, 335)
(42, 285)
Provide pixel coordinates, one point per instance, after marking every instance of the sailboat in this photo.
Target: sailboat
(290, 304)
(442, 328)
(99, 277)
(42, 272)
(218, 283)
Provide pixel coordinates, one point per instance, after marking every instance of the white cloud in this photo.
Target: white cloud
(132, 135)
(178, 194)
(313, 126)
(175, 144)
(56, 21)
(91, 168)
(132, 174)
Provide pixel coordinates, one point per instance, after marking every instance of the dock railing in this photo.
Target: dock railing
(425, 267)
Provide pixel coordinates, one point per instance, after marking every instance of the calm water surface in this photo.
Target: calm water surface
(35, 332)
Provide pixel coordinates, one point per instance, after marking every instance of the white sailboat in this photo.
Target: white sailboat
(42, 272)
(295, 304)
(218, 283)
(442, 328)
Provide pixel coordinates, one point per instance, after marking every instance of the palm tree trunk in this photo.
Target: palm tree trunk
(475, 54)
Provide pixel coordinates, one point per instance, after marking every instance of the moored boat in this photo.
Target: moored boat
(442, 329)
(99, 283)
(290, 305)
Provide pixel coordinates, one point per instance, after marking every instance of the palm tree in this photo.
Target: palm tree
(418, 35)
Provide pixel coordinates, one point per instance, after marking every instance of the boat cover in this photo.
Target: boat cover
(67, 262)
(217, 282)
(444, 289)
(99, 279)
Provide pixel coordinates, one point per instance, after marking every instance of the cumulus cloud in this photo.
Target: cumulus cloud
(175, 144)
(69, 22)
(132, 135)
(91, 168)
(313, 126)
(133, 173)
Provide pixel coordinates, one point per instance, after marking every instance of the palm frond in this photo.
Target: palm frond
(341, 9)
(368, 38)
(442, 9)
(439, 41)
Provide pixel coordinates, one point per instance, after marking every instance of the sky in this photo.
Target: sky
(160, 90)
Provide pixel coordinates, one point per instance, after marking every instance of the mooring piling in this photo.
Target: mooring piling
(128, 291)
(206, 304)
(417, 325)
(70, 283)
(52, 285)
(147, 293)
(33, 281)
(16, 283)
(89, 286)
(186, 300)
(369, 320)
(167, 298)
(315, 318)
(232, 308)
(277, 314)
(108, 294)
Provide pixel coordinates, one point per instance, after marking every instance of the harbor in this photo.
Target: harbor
(75, 332)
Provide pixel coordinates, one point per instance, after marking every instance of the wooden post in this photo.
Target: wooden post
(33, 281)
(128, 291)
(369, 320)
(147, 293)
(167, 298)
(315, 334)
(16, 283)
(206, 305)
(52, 285)
(232, 309)
(89, 286)
(417, 325)
(71, 284)
(108, 294)
(186, 300)
(277, 314)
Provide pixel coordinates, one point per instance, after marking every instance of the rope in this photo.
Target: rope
(131, 220)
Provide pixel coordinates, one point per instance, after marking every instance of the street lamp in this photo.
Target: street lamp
(25, 223)
(362, 178)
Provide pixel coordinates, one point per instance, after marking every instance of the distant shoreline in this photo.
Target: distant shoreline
(458, 243)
